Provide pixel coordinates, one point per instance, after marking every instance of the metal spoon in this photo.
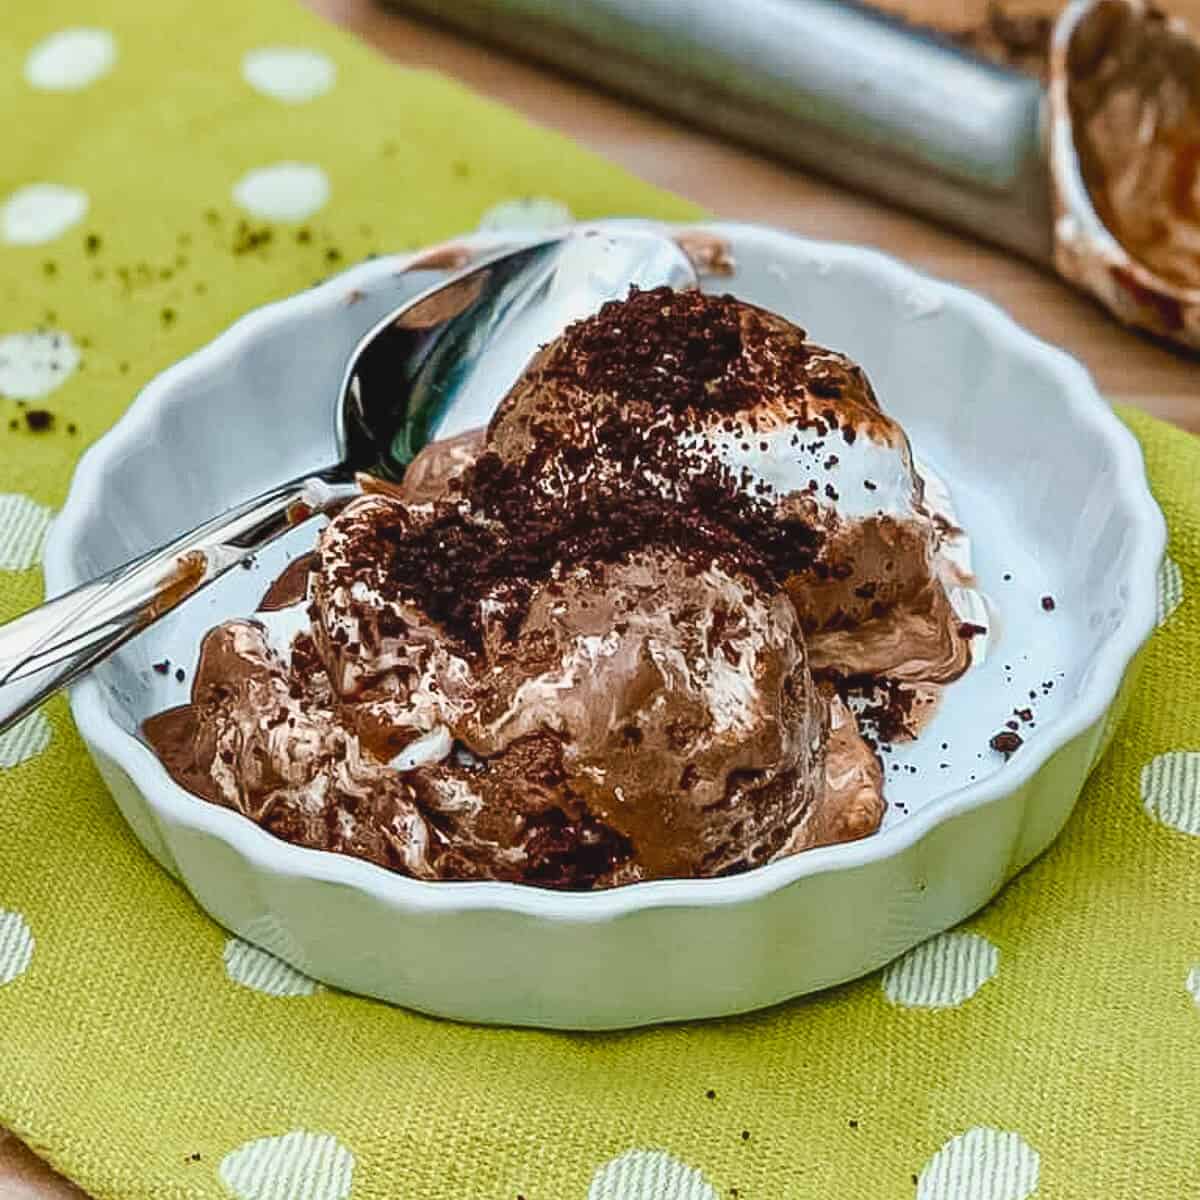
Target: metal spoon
(436, 365)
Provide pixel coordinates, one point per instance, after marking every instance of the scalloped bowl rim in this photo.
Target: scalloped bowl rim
(266, 851)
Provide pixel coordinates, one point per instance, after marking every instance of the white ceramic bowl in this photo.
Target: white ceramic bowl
(1047, 480)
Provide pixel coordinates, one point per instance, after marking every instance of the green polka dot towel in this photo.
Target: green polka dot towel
(167, 167)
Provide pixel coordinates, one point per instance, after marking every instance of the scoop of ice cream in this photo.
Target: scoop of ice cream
(721, 407)
(680, 694)
(674, 685)
(260, 736)
(649, 717)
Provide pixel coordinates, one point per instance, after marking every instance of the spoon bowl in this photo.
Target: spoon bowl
(436, 367)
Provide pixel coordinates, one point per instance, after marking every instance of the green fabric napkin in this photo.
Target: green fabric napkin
(1050, 1047)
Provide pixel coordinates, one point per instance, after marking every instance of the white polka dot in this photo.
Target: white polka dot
(1170, 589)
(34, 364)
(71, 59)
(1192, 983)
(315, 1166)
(286, 191)
(528, 213)
(23, 525)
(981, 1164)
(289, 73)
(16, 946)
(942, 972)
(1171, 790)
(649, 1175)
(262, 972)
(24, 740)
(41, 212)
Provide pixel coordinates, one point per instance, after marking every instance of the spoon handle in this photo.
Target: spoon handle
(44, 649)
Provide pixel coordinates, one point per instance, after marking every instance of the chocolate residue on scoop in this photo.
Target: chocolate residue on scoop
(1125, 158)
(1007, 33)
(1011, 39)
(1135, 103)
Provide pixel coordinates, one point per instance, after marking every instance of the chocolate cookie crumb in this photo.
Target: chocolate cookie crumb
(710, 1094)
(1048, 603)
(179, 674)
(1006, 743)
(39, 420)
(969, 630)
(163, 667)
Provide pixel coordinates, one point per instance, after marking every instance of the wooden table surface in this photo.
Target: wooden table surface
(742, 185)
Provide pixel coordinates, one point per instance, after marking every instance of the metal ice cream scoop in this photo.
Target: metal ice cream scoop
(832, 85)
(434, 366)
(893, 109)
(1124, 151)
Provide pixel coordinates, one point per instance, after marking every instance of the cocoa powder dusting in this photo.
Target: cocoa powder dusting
(1006, 743)
(669, 355)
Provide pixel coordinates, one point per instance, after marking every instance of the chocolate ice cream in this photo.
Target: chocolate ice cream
(609, 639)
